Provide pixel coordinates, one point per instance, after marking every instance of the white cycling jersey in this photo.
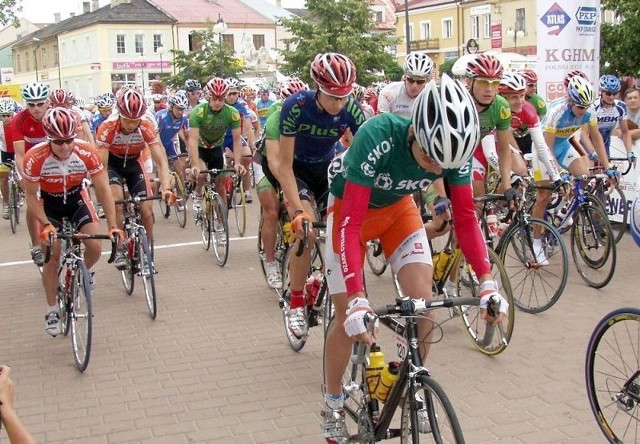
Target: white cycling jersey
(394, 99)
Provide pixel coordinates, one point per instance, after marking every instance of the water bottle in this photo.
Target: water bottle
(388, 377)
(374, 368)
(502, 229)
(287, 233)
(492, 222)
(440, 263)
(312, 288)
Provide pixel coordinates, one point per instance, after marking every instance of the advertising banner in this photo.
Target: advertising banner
(12, 90)
(568, 38)
(496, 35)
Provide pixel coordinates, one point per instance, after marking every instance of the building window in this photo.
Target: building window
(121, 48)
(425, 30)
(447, 28)
(18, 63)
(475, 26)
(258, 41)
(486, 26)
(227, 39)
(87, 45)
(74, 50)
(195, 42)
(27, 61)
(379, 17)
(157, 42)
(139, 43)
(520, 20)
(56, 55)
(44, 57)
(410, 39)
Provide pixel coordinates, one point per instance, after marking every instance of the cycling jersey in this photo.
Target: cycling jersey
(608, 118)
(96, 121)
(168, 128)
(25, 128)
(538, 103)
(262, 109)
(495, 116)
(213, 125)
(125, 146)
(245, 114)
(393, 98)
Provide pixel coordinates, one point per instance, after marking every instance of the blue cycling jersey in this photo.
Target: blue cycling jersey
(243, 109)
(608, 118)
(168, 127)
(316, 131)
(97, 120)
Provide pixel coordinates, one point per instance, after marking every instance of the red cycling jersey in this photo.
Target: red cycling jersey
(8, 138)
(525, 119)
(25, 127)
(110, 136)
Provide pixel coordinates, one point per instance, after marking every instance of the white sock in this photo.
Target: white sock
(53, 309)
(334, 402)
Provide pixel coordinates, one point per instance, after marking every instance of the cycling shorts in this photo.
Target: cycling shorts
(132, 172)
(399, 228)
(6, 158)
(212, 158)
(75, 206)
(565, 153)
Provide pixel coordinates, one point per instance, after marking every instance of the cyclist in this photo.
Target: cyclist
(311, 124)
(121, 140)
(105, 109)
(173, 124)
(522, 136)
(370, 197)
(359, 93)
(267, 194)
(56, 168)
(263, 104)
(208, 124)
(65, 99)
(27, 132)
(250, 94)
(194, 94)
(6, 151)
(398, 97)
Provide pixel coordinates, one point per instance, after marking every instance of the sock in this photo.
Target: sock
(334, 402)
(297, 299)
(53, 308)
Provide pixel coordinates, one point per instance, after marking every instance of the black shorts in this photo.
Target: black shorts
(524, 143)
(7, 157)
(212, 158)
(132, 172)
(75, 206)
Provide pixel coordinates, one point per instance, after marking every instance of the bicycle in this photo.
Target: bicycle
(213, 218)
(376, 258)
(612, 374)
(74, 293)
(426, 413)
(139, 252)
(236, 201)
(15, 197)
(178, 189)
(536, 284)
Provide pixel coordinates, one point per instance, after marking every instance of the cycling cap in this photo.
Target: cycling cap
(446, 123)
(334, 74)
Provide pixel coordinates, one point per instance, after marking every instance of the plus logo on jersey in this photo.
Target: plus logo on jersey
(555, 19)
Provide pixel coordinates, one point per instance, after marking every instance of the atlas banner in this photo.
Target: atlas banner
(12, 90)
(568, 38)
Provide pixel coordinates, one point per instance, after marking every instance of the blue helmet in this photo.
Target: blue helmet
(609, 83)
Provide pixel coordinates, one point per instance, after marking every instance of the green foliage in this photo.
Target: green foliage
(445, 68)
(344, 26)
(618, 42)
(8, 11)
(213, 59)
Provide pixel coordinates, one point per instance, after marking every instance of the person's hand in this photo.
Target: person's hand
(7, 389)
(46, 231)
(296, 224)
(593, 156)
(441, 205)
(631, 157)
(561, 186)
(354, 325)
(512, 197)
(489, 291)
(240, 169)
(613, 173)
(195, 172)
(168, 197)
(116, 235)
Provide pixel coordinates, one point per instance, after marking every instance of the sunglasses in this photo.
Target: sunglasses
(217, 98)
(232, 93)
(580, 106)
(607, 93)
(532, 85)
(131, 121)
(63, 141)
(6, 115)
(194, 92)
(488, 83)
(418, 81)
(33, 105)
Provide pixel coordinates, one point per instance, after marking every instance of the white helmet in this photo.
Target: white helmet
(446, 123)
(512, 82)
(35, 91)
(418, 64)
(7, 105)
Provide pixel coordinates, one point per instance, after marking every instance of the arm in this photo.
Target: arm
(280, 157)
(86, 133)
(192, 147)
(103, 193)
(626, 135)
(247, 129)
(31, 191)
(598, 145)
(19, 149)
(489, 149)
(543, 151)
(160, 159)
(236, 134)
(16, 431)
(504, 157)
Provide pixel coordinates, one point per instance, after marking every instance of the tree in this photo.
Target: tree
(618, 41)
(445, 68)
(344, 26)
(214, 58)
(8, 11)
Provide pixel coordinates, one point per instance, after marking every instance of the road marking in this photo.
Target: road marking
(107, 253)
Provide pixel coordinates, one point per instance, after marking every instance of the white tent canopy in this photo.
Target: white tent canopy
(510, 60)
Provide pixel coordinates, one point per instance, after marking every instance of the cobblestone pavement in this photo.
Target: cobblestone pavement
(215, 365)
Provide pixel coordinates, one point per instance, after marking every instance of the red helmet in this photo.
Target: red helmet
(59, 124)
(291, 85)
(529, 75)
(60, 97)
(216, 87)
(486, 66)
(573, 73)
(334, 73)
(131, 103)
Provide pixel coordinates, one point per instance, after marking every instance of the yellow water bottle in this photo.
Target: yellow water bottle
(287, 234)
(388, 377)
(440, 263)
(374, 368)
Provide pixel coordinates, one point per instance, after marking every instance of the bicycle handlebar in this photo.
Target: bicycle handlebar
(305, 228)
(136, 200)
(77, 236)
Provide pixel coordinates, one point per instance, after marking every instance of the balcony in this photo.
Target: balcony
(425, 44)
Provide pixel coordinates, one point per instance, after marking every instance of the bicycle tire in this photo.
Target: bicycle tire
(240, 208)
(63, 305)
(487, 339)
(127, 276)
(607, 374)
(14, 206)
(591, 219)
(621, 211)
(145, 259)
(535, 288)
(180, 207)
(296, 343)
(206, 224)
(81, 316)
(444, 426)
(219, 230)
(376, 258)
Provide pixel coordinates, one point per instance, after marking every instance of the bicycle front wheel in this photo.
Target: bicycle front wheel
(428, 415)
(592, 244)
(536, 282)
(206, 223)
(180, 207)
(219, 230)
(127, 274)
(240, 208)
(145, 259)
(296, 343)
(613, 376)
(81, 316)
(375, 257)
(487, 338)
(14, 206)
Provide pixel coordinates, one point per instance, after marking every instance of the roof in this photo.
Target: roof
(415, 4)
(135, 12)
(233, 12)
(267, 9)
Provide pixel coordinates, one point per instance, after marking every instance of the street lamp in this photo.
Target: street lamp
(142, 70)
(511, 32)
(160, 51)
(219, 28)
(35, 55)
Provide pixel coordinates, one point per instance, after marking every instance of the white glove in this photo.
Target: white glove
(356, 311)
(488, 290)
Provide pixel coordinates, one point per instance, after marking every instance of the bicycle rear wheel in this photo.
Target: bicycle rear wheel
(219, 230)
(592, 244)
(240, 208)
(428, 415)
(145, 259)
(375, 257)
(180, 207)
(489, 339)
(14, 206)
(535, 287)
(81, 316)
(612, 375)
(618, 212)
